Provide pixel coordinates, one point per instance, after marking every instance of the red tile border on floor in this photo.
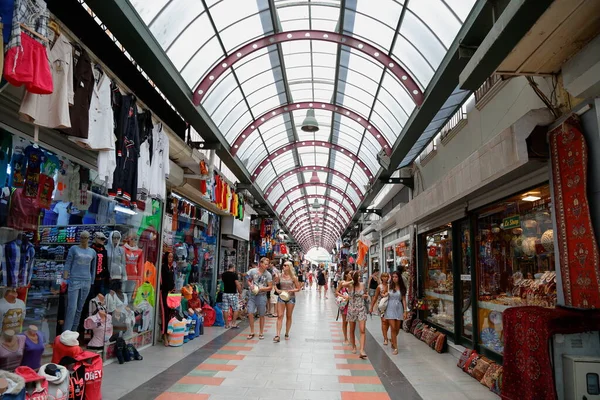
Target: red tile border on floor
(243, 341)
(369, 380)
(227, 356)
(216, 367)
(236, 348)
(361, 367)
(347, 356)
(342, 347)
(201, 380)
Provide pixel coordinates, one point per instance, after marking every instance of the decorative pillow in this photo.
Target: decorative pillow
(408, 322)
(488, 378)
(414, 325)
(471, 363)
(481, 368)
(419, 329)
(464, 357)
(440, 343)
(433, 340)
(427, 334)
(497, 381)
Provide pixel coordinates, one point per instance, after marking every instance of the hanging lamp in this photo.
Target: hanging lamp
(310, 123)
(316, 204)
(314, 179)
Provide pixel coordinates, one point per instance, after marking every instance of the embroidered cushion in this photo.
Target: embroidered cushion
(419, 329)
(488, 378)
(497, 381)
(408, 322)
(469, 360)
(432, 341)
(414, 325)
(470, 366)
(464, 357)
(429, 336)
(440, 343)
(481, 368)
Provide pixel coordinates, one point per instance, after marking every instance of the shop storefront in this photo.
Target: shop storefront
(374, 257)
(73, 257)
(500, 255)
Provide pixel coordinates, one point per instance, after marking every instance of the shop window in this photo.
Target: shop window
(465, 280)
(515, 260)
(73, 258)
(438, 279)
(389, 258)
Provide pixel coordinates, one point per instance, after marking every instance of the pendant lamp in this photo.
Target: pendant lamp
(310, 123)
(316, 204)
(314, 179)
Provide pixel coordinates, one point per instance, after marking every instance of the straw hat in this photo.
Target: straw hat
(285, 296)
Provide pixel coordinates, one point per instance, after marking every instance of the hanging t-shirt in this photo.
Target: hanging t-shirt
(18, 168)
(46, 188)
(52, 110)
(176, 331)
(5, 155)
(12, 315)
(35, 158)
(24, 211)
(63, 209)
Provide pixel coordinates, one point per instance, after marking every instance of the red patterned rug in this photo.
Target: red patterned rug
(577, 246)
(527, 364)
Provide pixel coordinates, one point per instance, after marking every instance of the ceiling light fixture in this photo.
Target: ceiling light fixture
(316, 204)
(310, 123)
(314, 179)
(531, 198)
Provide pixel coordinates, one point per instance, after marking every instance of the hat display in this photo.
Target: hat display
(69, 338)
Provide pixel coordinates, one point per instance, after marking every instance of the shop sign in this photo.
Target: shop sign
(465, 277)
(512, 222)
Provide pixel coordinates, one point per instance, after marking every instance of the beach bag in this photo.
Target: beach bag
(383, 303)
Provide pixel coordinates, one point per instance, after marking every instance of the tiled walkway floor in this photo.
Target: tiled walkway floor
(313, 364)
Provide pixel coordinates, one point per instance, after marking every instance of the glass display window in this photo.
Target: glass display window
(62, 238)
(389, 258)
(438, 277)
(514, 260)
(402, 255)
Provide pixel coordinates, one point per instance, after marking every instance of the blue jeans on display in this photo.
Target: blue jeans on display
(76, 295)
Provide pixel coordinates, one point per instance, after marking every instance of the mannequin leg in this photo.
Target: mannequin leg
(83, 292)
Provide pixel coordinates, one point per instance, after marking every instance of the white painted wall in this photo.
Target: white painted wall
(513, 101)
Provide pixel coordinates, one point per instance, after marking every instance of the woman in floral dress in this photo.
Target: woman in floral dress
(357, 311)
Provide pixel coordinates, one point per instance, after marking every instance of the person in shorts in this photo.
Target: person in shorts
(231, 295)
(262, 279)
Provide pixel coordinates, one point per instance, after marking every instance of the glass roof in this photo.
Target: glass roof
(244, 59)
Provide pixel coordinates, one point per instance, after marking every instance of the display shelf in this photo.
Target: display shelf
(488, 305)
(49, 259)
(56, 243)
(71, 225)
(440, 296)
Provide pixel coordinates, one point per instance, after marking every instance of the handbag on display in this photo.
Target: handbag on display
(174, 300)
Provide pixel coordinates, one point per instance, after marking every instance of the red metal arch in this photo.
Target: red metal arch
(324, 227)
(307, 222)
(377, 55)
(296, 170)
(317, 196)
(310, 143)
(362, 120)
(321, 234)
(325, 185)
(315, 242)
(308, 235)
(306, 212)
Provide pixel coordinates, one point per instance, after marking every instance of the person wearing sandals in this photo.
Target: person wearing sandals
(260, 283)
(357, 311)
(232, 291)
(396, 308)
(342, 291)
(288, 283)
(380, 293)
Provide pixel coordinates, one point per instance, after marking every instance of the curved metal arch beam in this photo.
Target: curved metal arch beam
(312, 236)
(310, 143)
(296, 170)
(317, 196)
(306, 214)
(317, 105)
(308, 241)
(323, 233)
(324, 185)
(324, 228)
(376, 54)
(307, 222)
(308, 235)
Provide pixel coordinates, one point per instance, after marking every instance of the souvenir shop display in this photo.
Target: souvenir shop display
(12, 347)
(438, 282)
(515, 260)
(34, 348)
(58, 380)
(102, 329)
